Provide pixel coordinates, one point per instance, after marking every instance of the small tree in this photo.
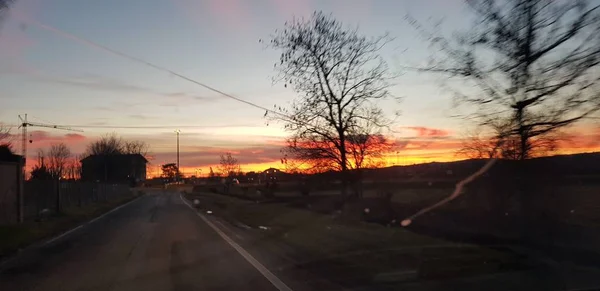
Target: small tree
(40, 171)
(58, 157)
(228, 165)
(170, 171)
(340, 78)
(534, 63)
(73, 168)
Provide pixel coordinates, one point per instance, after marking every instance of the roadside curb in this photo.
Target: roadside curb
(11, 257)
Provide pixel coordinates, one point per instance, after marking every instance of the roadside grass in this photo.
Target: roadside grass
(354, 252)
(17, 236)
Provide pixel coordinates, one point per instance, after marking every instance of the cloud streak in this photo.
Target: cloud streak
(422, 131)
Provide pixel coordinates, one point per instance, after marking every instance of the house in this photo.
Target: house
(272, 174)
(11, 187)
(126, 168)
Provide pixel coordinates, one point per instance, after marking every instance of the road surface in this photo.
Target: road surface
(154, 243)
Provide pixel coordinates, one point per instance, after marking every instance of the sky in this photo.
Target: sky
(59, 79)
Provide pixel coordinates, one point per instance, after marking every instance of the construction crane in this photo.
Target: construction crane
(24, 124)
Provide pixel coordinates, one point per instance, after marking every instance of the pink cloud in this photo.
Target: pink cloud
(42, 140)
(422, 131)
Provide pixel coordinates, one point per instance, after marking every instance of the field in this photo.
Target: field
(357, 253)
(562, 210)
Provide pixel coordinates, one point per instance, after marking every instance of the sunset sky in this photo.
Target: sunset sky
(63, 80)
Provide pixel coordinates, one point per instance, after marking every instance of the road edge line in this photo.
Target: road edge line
(275, 281)
(51, 240)
(46, 242)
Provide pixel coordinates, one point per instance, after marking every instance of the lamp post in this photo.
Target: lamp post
(177, 175)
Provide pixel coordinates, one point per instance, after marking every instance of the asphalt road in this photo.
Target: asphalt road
(154, 243)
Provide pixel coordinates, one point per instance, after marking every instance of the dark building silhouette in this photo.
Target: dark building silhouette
(273, 174)
(130, 168)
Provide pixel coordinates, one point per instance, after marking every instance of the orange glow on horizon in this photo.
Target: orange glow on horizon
(402, 158)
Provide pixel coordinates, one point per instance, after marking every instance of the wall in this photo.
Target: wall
(9, 187)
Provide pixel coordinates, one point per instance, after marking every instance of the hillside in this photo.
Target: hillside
(576, 164)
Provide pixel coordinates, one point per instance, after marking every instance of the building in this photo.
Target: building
(272, 175)
(130, 168)
(11, 186)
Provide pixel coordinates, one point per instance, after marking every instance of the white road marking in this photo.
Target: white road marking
(256, 264)
(51, 240)
(89, 222)
(61, 235)
(227, 228)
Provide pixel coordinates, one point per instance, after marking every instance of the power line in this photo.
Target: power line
(151, 126)
(139, 60)
(142, 126)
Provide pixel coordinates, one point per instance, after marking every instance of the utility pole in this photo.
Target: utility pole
(178, 171)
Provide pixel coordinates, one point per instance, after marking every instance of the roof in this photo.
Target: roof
(120, 156)
(6, 154)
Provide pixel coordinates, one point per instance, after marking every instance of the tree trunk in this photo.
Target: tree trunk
(524, 197)
(344, 167)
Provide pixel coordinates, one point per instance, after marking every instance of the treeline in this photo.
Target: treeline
(59, 162)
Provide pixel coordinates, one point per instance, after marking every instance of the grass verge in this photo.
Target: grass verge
(354, 253)
(15, 237)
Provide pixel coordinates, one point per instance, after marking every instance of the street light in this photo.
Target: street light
(177, 175)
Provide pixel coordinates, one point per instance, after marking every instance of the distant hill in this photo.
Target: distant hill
(576, 164)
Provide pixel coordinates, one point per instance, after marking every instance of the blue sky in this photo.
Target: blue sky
(64, 81)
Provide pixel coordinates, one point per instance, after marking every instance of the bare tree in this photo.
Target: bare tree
(40, 171)
(136, 147)
(228, 165)
(4, 135)
(5, 144)
(58, 158)
(73, 168)
(340, 77)
(110, 144)
(533, 62)
(497, 144)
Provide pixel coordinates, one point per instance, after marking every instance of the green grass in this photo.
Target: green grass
(15, 237)
(327, 243)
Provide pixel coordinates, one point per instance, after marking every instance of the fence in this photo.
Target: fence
(52, 196)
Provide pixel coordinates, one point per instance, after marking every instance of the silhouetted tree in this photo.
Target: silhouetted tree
(112, 144)
(4, 135)
(73, 168)
(170, 171)
(58, 157)
(340, 77)
(109, 144)
(228, 165)
(534, 63)
(135, 147)
(6, 151)
(40, 171)
(477, 145)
